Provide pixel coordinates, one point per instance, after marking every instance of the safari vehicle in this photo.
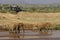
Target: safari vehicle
(15, 8)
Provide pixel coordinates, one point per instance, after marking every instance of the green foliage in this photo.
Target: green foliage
(3, 11)
(44, 9)
(12, 12)
(57, 27)
(31, 8)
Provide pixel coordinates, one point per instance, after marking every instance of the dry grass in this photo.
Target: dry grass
(31, 18)
(39, 17)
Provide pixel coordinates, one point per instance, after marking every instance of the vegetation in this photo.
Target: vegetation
(48, 8)
(57, 27)
(30, 17)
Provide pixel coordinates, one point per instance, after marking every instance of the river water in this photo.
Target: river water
(30, 35)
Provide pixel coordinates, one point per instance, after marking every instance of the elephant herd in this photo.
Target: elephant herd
(36, 28)
(17, 27)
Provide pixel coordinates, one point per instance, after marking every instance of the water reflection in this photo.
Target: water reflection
(15, 35)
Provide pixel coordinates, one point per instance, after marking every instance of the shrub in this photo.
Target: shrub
(57, 27)
(12, 12)
(3, 11)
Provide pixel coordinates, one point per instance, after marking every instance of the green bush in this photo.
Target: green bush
(57, 27)
(3, 11)
(12, 12)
